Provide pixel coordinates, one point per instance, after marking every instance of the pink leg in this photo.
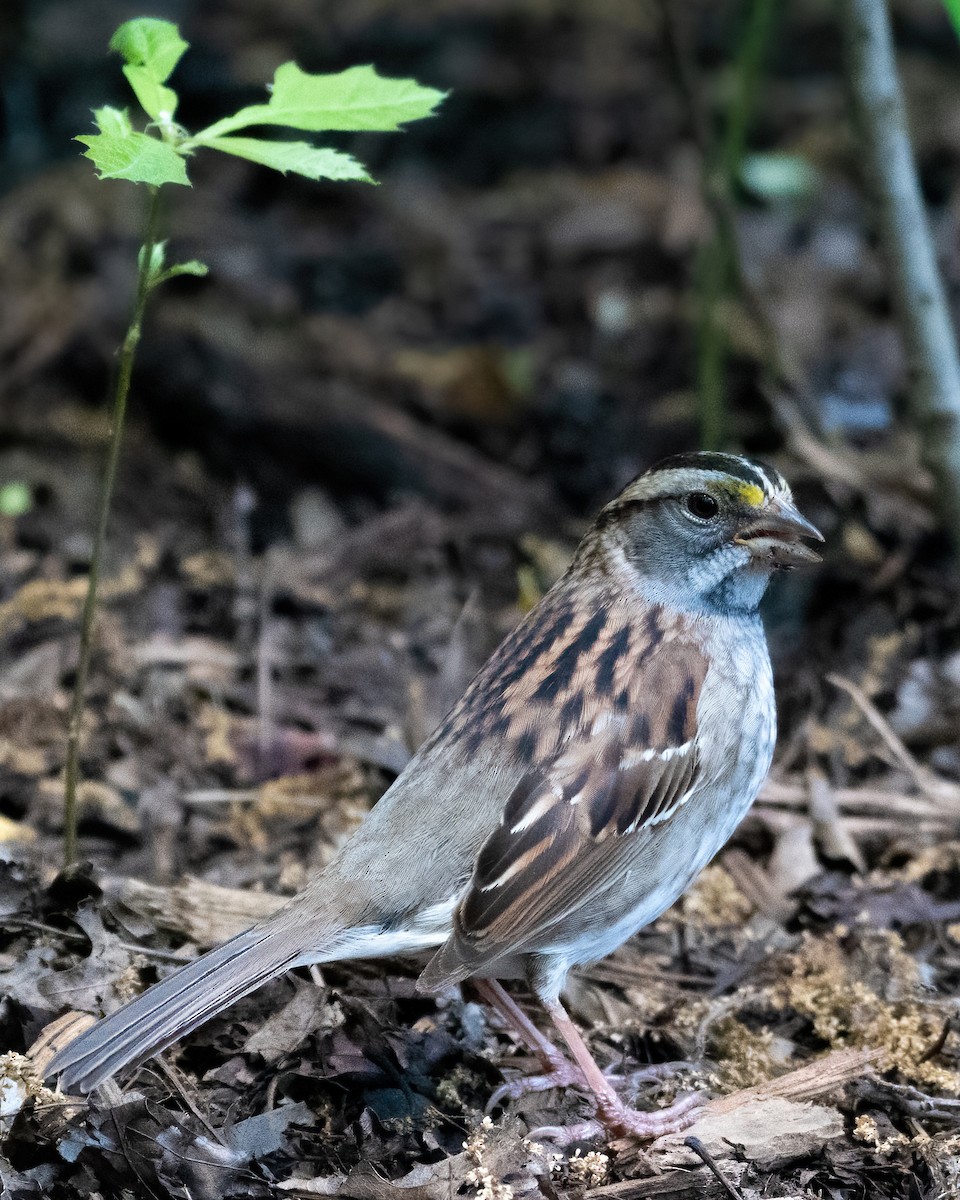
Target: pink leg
(557, 1071)
(613, 1114)
(499, 999)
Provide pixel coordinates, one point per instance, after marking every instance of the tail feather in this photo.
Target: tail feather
(446, 967)
(174, 1007)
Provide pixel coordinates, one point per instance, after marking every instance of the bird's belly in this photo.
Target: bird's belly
(656, 877)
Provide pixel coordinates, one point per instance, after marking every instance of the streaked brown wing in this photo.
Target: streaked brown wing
(616, 775)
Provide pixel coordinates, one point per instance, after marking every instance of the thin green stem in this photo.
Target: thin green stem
(749, 66)
(128, 352)
(718, 261)
(712, 276)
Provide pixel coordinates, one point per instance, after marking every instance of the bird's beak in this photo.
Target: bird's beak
(776, 535)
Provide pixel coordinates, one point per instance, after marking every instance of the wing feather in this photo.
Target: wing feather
(622, 770)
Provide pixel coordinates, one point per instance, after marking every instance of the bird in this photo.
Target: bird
(597, 762)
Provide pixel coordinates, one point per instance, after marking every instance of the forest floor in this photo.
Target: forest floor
(360, 450)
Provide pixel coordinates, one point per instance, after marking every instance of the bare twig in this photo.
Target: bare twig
(700, 1150)
(909, 1100)
(862, 801)
(205, 913)
(832, 835)
(934, 392)
(174, 1078)
(941, 791)
(938, 1042)
(265, 693)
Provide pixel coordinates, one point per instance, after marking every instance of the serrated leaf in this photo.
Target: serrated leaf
(312, 161)
(134, 156)
(114, 121)
(355, 99)
(157, 101)
(150, 43)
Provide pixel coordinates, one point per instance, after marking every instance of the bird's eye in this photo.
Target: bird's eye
(702, 506)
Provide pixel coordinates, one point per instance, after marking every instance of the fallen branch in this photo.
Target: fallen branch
(202, 912)
(860, 802)
(816, 1079)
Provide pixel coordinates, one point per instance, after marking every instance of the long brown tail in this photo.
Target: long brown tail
(174, 1007)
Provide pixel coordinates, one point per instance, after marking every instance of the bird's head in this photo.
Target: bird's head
(704, 531)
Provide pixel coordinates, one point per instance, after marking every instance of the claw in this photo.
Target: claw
(566, 1135)
(563, 1075)
(620, 1119)
(653, 1073)
(612, 1113)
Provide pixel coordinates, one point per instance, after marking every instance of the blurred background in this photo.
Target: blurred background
(378, 426)
(372, 435)
(370, 438)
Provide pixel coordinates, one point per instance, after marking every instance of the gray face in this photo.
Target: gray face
(694, 563)
(705, 539)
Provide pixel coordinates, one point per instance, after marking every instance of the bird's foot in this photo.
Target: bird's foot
(562, 1074)
(630, 1081)
(615, 1117)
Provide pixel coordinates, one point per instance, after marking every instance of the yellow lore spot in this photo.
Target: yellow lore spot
(750, 494)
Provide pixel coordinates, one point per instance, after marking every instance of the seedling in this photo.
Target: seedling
(357, 99)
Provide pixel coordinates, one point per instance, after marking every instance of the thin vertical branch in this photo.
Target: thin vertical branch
(934, 384)
(124, 372)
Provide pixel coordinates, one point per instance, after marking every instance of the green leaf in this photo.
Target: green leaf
(152, 49)
(15, 499)
(355, 99)
(158, 102)
(118, 152)
(953, 12)
(150, 43)
(301, 157)
(193, 267)
(115, 121)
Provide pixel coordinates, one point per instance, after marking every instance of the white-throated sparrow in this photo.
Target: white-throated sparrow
(596, 763)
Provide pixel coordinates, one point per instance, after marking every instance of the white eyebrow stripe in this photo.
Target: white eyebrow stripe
(773, 482)
(769, 487)
(767, 481)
